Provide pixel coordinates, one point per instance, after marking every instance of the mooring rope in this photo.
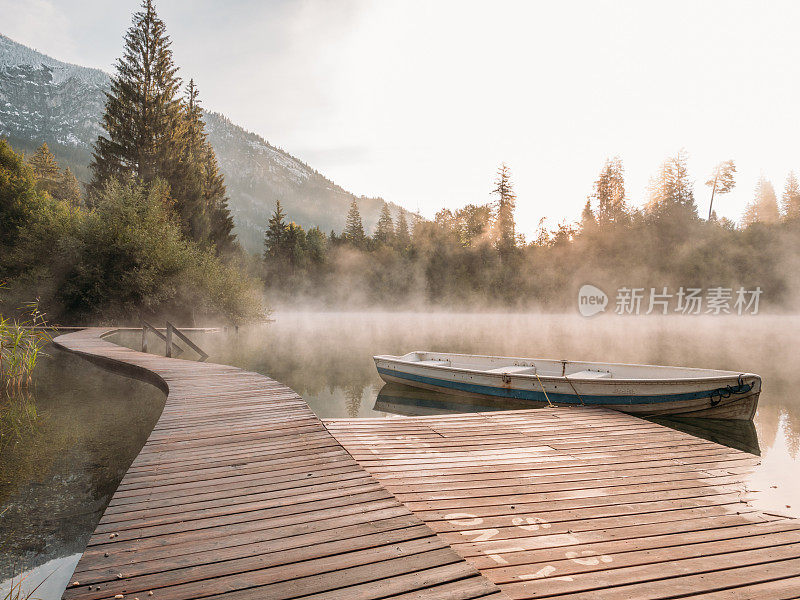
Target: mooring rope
(572, 385)
(543, 390)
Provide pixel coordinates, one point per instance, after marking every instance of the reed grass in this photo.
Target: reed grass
(21, 342)
(16, 592)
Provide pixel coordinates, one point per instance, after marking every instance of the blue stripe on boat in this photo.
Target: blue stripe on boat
(554, 396)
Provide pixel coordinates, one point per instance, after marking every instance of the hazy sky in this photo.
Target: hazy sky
(418, 102)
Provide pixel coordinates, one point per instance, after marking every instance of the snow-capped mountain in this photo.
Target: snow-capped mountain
(46, 100)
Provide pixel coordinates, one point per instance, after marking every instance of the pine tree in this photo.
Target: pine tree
(721, 182)
(187, 181)
(142, 117)
(296, 247)
(152, 134)
(49, 178)
(588, 220)
(275, 236)
(609, 191)
(791, 198)
(384, 232)
(671, 193)
(317, 251)
(764, 207)
(199, 187)
(401, 235)
(219, 215)
(354, 228)
(44, 164)
(506, 202)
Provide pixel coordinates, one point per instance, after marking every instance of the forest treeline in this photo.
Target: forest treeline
(473, 257)
(152, 234)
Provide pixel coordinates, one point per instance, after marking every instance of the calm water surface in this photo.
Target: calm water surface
(58, 474)
(64, 447)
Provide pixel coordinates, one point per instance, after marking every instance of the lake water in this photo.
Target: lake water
(59, 474)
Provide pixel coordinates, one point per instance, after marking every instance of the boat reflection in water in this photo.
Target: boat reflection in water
(417, 402)
(740, 435)
(409, 401)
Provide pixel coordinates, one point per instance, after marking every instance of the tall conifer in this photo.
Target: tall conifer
(44, 164)
(401, 235)
(142, 115)
(275, 236)
(506, 202)
(199, 187)
(384, 231)
(150, 133)
(790, 202)
(354, 228)
(609, 191)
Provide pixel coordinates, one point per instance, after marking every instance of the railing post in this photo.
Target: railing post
(144, 337)
(169, 340)
(171, 329)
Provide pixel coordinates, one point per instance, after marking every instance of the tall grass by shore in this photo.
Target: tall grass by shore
(21, 342)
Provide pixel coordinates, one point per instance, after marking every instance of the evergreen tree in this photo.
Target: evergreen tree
(295, 247)
(671, 193)
(384, 232)
(506, 202)
(152, 134)
(49, 178)
(721, 182)
(401, 235)
(317, 251)
(275, 236)
(588, 220)
(609, 191)
(764, 207)
(44, 164)
(187, 183)
(354, 228)
(791, 198)
(142, 117)
(201, 197)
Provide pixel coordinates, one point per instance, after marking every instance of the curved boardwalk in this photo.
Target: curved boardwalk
(240, 492)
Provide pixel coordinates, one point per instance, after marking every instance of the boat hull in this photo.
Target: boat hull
(694, 398)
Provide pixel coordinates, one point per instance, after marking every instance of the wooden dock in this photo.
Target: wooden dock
(583, 503)
(241, 492)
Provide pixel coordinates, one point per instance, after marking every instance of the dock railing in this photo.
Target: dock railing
(170, 333)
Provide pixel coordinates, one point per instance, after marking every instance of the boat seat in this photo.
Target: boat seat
(518, 369)
(434, 363)
(590, 375)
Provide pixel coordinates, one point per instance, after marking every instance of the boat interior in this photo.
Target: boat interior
(505, 365)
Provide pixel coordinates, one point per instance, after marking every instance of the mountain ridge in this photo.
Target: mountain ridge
(43, 99)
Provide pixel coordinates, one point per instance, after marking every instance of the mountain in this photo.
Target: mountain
(46, 100)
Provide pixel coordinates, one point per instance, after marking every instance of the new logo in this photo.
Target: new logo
(591, 300)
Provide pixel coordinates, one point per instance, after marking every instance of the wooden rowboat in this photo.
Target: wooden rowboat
(636, 389)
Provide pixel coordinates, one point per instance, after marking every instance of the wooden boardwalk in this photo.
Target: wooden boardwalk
(240, 492)
(584, 503)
